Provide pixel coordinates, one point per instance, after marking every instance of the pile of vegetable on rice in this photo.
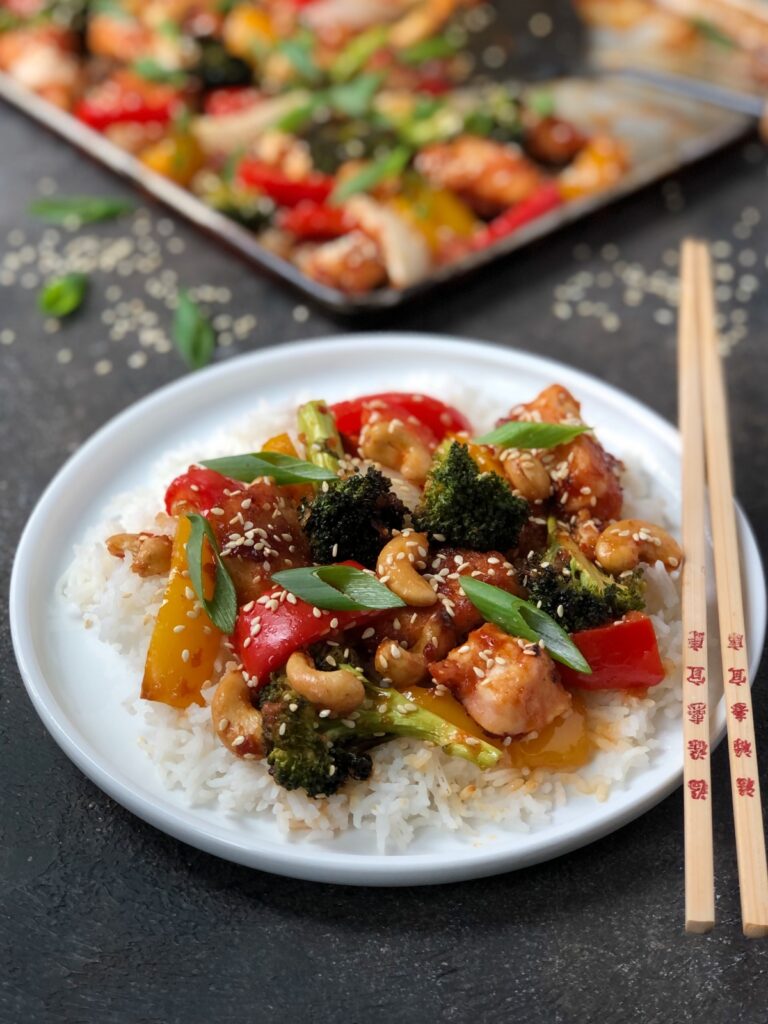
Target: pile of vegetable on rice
(345, 134)
(388, 574)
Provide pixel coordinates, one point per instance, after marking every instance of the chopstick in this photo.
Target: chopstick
(742, 748)
(697, 786)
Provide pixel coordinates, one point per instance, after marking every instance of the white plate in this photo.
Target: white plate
(67, 672)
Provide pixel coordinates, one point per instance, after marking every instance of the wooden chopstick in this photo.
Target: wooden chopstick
(697, 785)
(742, 749)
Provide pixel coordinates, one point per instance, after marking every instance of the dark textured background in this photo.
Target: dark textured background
(103, 919)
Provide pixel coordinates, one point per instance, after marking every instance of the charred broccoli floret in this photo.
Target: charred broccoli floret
(299, 755)
(467, 507)
(353, 519)
(349, 519)
(566, 585)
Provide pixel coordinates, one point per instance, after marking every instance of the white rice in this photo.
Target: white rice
(412, 786)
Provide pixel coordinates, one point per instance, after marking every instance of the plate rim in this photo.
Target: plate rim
(328, 866)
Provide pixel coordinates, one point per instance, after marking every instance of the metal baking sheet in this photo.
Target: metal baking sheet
(662, 132)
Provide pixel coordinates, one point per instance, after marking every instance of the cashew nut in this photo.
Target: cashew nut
(392, 444)
(403, 667)
(150, 552)
(340, 691)
(528, 477)
(236, 721)
(625, 543)
(397, 563)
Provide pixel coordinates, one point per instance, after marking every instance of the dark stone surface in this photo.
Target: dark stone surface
(104, 919)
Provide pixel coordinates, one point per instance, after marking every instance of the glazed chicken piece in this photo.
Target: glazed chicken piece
(352, 263)
(41, 58)
(450, 564)
(426, 635)
(585, 477)
(488, 175)
(118, 35)
(510, 687)
(258, 533)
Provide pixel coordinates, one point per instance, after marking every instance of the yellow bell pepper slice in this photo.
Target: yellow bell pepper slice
(283, 444)
(177, 157)
(437, 214)
(483, 455)
(249, 33)
(180, 662)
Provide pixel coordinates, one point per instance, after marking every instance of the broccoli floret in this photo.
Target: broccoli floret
(353, 519)
(467, 507)
(299, 755)
(566, 585)
(348, 519)
(305, 751)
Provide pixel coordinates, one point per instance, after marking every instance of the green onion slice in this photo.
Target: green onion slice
(283, 469)
(387, 166)
(338, 588)
(523, 619)
(222, 607)
(82, 209)
(519, 434)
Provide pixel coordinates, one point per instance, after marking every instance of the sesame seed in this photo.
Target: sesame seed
(185, 655)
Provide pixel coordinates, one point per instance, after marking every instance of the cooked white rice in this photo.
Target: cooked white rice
(412, 786)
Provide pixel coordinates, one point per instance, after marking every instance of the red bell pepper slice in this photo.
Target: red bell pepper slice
(127, 99)
(622, 656)
(315, 222)
(440, 419)
(546, 198)
(266, 635)
(199, 490)
(230, 100)
(278, 186)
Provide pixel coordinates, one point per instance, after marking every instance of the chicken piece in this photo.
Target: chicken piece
(116, 34)
(41, 58)
(554, 404)
(489, 176)
(428, 632)
(258, 534)
(585, 477)
(151, 552)
(508, 686)
(450, 564)
(426, 635)
(352, 263)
